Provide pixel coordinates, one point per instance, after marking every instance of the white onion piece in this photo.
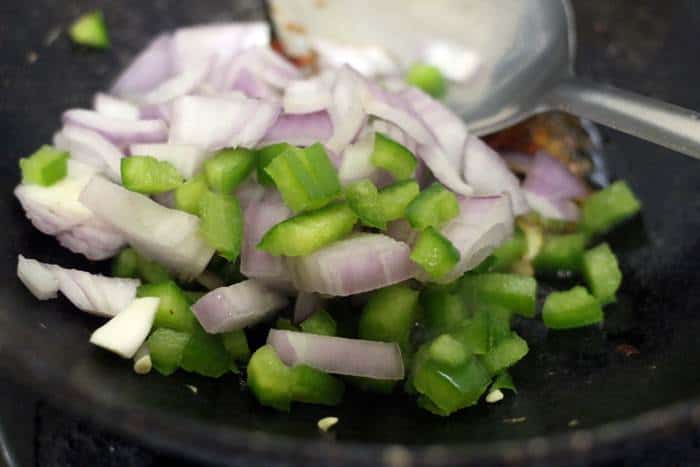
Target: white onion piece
(92, 148)
(247, 83)
(357, 264)
(125, 333)
(305, 305)
(37, 277)
(549, 188)
(177, 86)
(166, 199)
(394, 108)
(114, 107)
(260, 216)
(119, 131)
(357, 161)
(142, 360)
(483, 224)
(339, 355)
(266, 66)
(195, 45)
(167, 236)
(306, 96)
(214, 123)
(92, 293)
(56, 210)
(368, 60)
(150, 68)
(346, 112)
(186, 158)
(94, 239)
(562, 209)
(237, 306)
(486, 172)
(449, 130)
(300, 129)
(443, 170)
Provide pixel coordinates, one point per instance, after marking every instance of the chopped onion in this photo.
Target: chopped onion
(339, 355)
(119, 131)
(260, 216)
(486, 172)
(549, 188)
(237, 306)
(443, 170)
(94, 239)
(483, 224)
(195, 45)
(310, 95)
(357, 264)
(179, 85)
(150, 68)
(300, 129)
(215, 123)
(114, 107)
(93, 293)
(448, 129)
(186, 158)
(357, 161)
(346, 111)
(402, 231)
(91, 148)
(247, 83)
(126, 332)
(306, 305)
(167, 236)
(37, 277)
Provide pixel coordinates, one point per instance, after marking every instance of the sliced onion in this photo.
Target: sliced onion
(195, 45)
(549, 188)
(339, 355)
(126, 332)
(260, 216)
(166, 199)
(93, 293)
(358, 264)
(449, 130)
(114, 107)
(91, 148)
(167, 236)
(266, 66)
(300, 129)
(562, 209)
(357, 161)
(368, 60)
(486, 172)
(186, 158)
(306, 96)
(94, 239)
(119, 131)
(212, 123)
(402, 231)
(247, 83)
(237, 306)
(483, 224)
(394, 108)
(37, 277)
(443, 170)
(306, 305)
(346, 111)
(179, 85)
(150, 68)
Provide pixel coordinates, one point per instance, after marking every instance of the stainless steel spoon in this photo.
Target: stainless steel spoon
(526, 50)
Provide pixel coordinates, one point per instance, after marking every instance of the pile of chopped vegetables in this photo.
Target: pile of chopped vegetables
(232, 191)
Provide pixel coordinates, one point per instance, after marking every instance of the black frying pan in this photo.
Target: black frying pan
(585, 376)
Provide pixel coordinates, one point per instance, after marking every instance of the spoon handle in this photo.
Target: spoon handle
(661, 123)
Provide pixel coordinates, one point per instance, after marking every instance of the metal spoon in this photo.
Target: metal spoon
(526, 50)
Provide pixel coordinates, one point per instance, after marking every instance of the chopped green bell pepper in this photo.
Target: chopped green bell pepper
(362, 196)
(265, 156)
(148, 175)
(389, 316)
(561, 253)
(602, 273)
(395, 198)
(174, 307)
(188, 195)
(45, 167)
(166, 347)
(206, 355)
(321, 322)
(393, 157)
(510, 291)
(305, 233)
(221, 223)
(433, 207)
(228, 168)
(236, 344)
(427, 78)
(269, 379)
(434, 253)
(607, 208)
(312, 386)
(90, 30)
(574, 308)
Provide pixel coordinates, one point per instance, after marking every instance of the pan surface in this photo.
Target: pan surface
(578, 393)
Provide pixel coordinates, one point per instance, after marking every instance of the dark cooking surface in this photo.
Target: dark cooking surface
(647, 46)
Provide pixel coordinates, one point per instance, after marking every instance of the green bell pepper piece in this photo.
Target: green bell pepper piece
(321, 322)
(395, 198)
(605, 209)
(561, 253)
(574, 308)
(166, 347)
(602, 273)
(433, 207)
(45, 167)
(90, 30)
(312, 386)
(434, 253)
(188, 195)
(428, 78)
(265, 156)
(363, 198)
(228, 168)
(236, 344)
(222, 224)
(206, 355)
(393, 157)
(174, 307)
(269, 379)
(148, 175)
(510, 291)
